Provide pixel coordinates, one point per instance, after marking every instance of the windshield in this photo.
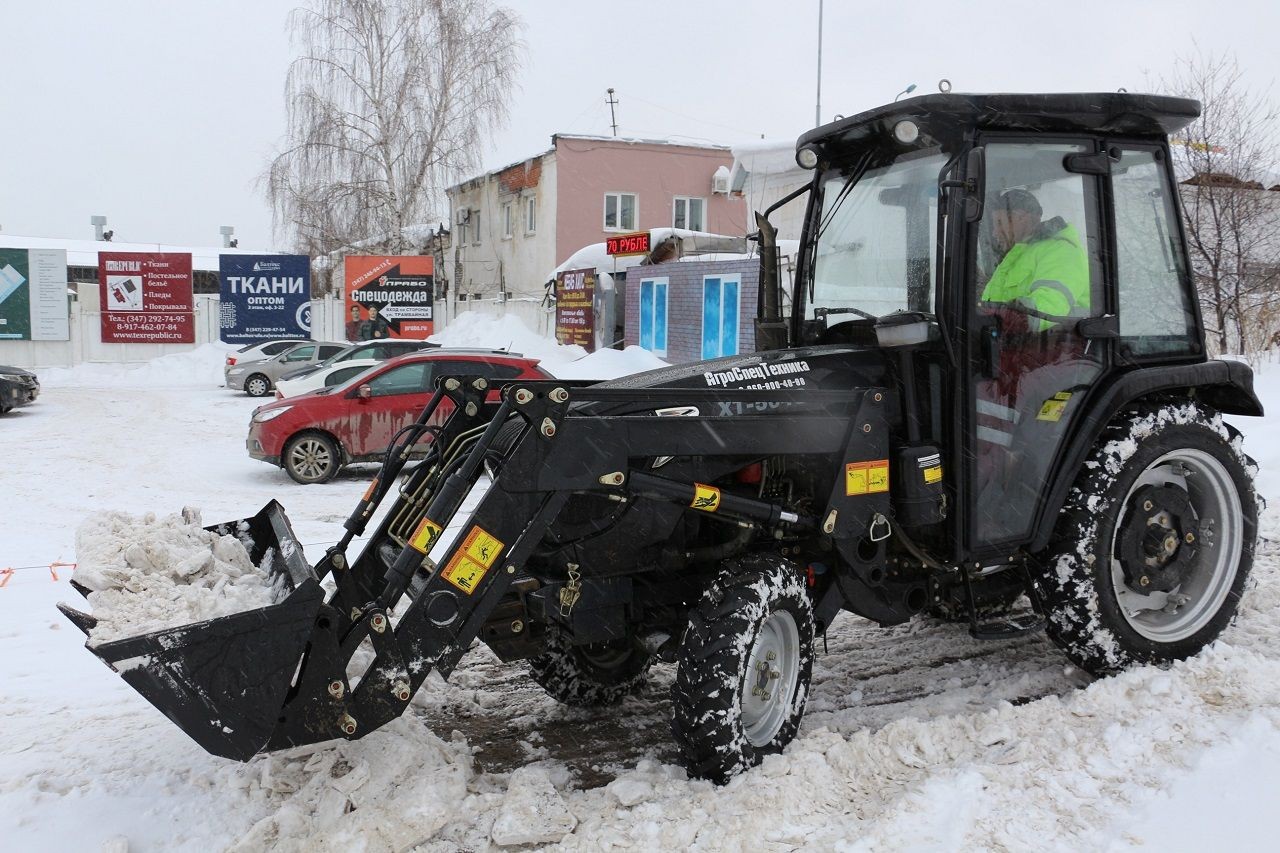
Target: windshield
(876, 248)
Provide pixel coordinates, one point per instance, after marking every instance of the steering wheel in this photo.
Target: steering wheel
(825, 312)
(1019, 308)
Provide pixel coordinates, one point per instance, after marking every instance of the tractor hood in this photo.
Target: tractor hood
(837, 367)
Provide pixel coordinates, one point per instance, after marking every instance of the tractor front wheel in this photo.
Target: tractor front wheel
(589, 675)
(744, 665)
(1153, 549)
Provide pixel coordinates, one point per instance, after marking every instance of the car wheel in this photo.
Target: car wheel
(312, 458)
(744, 665)
(1153, 549)
(257, 385)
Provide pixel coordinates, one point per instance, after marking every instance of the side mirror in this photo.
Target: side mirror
(364, 392)
(975, 173)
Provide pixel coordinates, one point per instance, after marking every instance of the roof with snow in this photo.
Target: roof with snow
(84, 253)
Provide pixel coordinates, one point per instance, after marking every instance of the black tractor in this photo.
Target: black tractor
(989, 382)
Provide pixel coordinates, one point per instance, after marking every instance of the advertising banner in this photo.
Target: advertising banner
(33, 295)
(388, 296)
(146, 298)
(575, 308)
(264, 297)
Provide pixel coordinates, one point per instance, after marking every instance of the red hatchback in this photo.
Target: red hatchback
(313, 435)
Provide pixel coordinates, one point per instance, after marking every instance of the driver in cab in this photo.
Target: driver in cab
(1043, 277)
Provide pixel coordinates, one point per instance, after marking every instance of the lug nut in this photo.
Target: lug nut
(1190, 537)
(336, 689)
(558, 395)
(378, 623)
(523, 395)
(480, 384)
(347, 723)
(401, 690)
(451, 384)
(471, 410)
(548, 427)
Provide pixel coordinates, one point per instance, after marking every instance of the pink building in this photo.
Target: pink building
(513, 226)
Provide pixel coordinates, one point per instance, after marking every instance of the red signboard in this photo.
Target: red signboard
(575, 308)
(628, 244)
(146, 298)
(388, 296)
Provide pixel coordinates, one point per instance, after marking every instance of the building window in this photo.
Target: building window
(506, 221)
(653, 315)
(619, 211)
(689, 213)
(720, 315)
(531, 214)
(475, 224)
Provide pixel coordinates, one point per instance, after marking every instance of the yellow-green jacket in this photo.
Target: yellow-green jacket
(1050, 272)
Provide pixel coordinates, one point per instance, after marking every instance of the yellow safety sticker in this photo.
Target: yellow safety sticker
(878, 476)
(481, 547)
(933, 474)
(426, 533)
(705, 498)
(463, 573)
(1054, 407)
(866, 478)
(469, 563)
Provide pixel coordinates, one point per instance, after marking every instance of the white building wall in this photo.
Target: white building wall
(86, 345)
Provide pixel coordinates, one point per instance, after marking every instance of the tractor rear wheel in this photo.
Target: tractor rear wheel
(1154, 546)
(591, 675)
(744, 666)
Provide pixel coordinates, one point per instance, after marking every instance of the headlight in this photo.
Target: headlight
(263, 417)
(807, 158)
(13, 377)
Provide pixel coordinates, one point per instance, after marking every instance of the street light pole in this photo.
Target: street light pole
(817, 109)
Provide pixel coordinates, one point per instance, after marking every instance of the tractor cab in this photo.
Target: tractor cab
(1013, 256)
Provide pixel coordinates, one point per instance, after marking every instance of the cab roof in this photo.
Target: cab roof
(949, 115)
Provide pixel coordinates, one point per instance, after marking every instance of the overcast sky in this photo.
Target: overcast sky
(161, 115)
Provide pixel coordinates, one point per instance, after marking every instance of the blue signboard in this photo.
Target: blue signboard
(264, 297)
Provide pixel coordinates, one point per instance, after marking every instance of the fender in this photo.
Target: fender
(1225, 385)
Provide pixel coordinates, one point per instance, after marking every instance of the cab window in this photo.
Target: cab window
(1156, 316)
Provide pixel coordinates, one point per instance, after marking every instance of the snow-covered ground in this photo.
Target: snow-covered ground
(917, 737)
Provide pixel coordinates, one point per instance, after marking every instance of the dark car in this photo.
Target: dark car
(18, 387)
(313, 435)
(380, 350)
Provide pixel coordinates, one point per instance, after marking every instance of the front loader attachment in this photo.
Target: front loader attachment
(223, 681)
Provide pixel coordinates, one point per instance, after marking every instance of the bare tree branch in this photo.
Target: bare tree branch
(389, 102)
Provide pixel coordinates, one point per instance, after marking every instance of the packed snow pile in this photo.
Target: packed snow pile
(147, 573)
(200, 366)
(473, 329)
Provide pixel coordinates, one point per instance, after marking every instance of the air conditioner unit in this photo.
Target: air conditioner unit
(720, 181)
(462, 216)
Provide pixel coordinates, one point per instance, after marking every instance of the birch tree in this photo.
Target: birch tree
(1225, 160)
(388, 103)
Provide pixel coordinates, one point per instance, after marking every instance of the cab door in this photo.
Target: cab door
(1038, 300)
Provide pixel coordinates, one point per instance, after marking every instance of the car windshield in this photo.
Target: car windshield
(877, 244)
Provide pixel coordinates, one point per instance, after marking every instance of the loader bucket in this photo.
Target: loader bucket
(224, 681)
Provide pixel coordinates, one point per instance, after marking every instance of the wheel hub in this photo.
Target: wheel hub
(1159, 539)
(770, 678)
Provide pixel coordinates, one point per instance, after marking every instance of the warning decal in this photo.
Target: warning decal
(705, 498)
(428, 532)
(866, 478)
(469, 564)
(1054, 407)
